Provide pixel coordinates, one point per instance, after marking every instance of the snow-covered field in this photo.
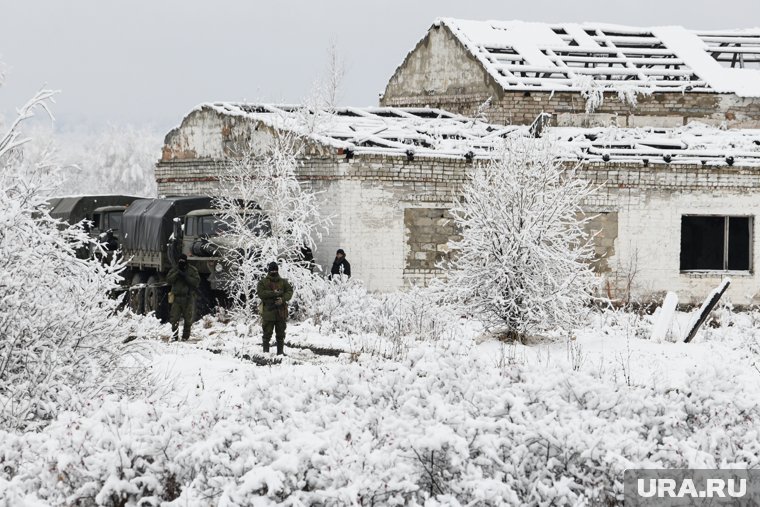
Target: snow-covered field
(465, 420)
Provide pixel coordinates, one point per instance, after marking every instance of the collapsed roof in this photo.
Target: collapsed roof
(575, 57)
(380, 130)
(422, 132)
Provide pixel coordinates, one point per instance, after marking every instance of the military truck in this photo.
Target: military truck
(152, 233)
(150, 248)
(72, 210)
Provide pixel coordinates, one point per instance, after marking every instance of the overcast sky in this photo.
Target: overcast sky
(149, 62)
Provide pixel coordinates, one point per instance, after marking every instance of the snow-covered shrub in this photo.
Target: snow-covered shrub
(383, 321)
(723, 315)
(61, 337)
(523, 261)
(336, 306)
(431, 428)
(630, 323)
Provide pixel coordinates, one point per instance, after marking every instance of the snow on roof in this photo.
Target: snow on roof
(423, 132)
(569, 56)
(695, 143)
(381, 130)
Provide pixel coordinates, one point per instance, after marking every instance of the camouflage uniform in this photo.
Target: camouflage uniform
(274, 316)
(184, 284)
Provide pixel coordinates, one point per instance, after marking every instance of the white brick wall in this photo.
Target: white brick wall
(368, 225)
(649, 227)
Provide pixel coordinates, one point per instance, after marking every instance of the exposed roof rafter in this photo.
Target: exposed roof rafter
(436, 133)
(558, 57)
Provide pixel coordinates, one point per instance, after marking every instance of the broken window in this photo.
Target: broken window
(716, 243)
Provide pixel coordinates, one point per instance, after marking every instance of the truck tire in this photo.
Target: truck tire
(137, 296)
(152, 296)
(162, 312)
(204, 299)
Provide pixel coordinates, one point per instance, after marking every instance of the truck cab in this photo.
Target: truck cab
(106, 228)
(81, 209)
(204, 241)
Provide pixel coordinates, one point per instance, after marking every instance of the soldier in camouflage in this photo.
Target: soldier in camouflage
(184, 280)
(274, 292)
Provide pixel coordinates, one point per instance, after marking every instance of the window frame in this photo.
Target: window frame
(726, 228)
(190, 226)
(111, 216)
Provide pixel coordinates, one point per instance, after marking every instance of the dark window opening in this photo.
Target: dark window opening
(716, 243)
(738, 243)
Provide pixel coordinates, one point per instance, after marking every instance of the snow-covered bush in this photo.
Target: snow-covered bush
(61, 337)
(348, 309)
(432, 428)
(523, 261)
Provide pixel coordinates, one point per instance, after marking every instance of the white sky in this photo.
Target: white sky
(150, 62)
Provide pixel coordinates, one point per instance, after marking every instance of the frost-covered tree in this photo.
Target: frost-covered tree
(270, 216)
(522, 263)
(114, 159)
(61, 337)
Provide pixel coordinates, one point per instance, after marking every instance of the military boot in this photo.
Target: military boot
(266, 346)
(280, 347)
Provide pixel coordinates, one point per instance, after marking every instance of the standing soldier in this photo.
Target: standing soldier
(184, 280)
(274, 292)
(340, 266)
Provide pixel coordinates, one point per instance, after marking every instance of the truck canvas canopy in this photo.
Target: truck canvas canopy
(73, 210)
(147, 224)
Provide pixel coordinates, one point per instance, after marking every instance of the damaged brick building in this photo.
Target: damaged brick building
(674, 211)
(583, 74)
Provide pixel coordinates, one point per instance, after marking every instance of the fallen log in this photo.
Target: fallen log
(704, 311)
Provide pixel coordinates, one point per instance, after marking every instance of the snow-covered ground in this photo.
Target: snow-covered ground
(466, 420)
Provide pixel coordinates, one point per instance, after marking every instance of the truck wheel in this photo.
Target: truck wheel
(152, 295)
(162, 311)
(204, 300)
(137, 295)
